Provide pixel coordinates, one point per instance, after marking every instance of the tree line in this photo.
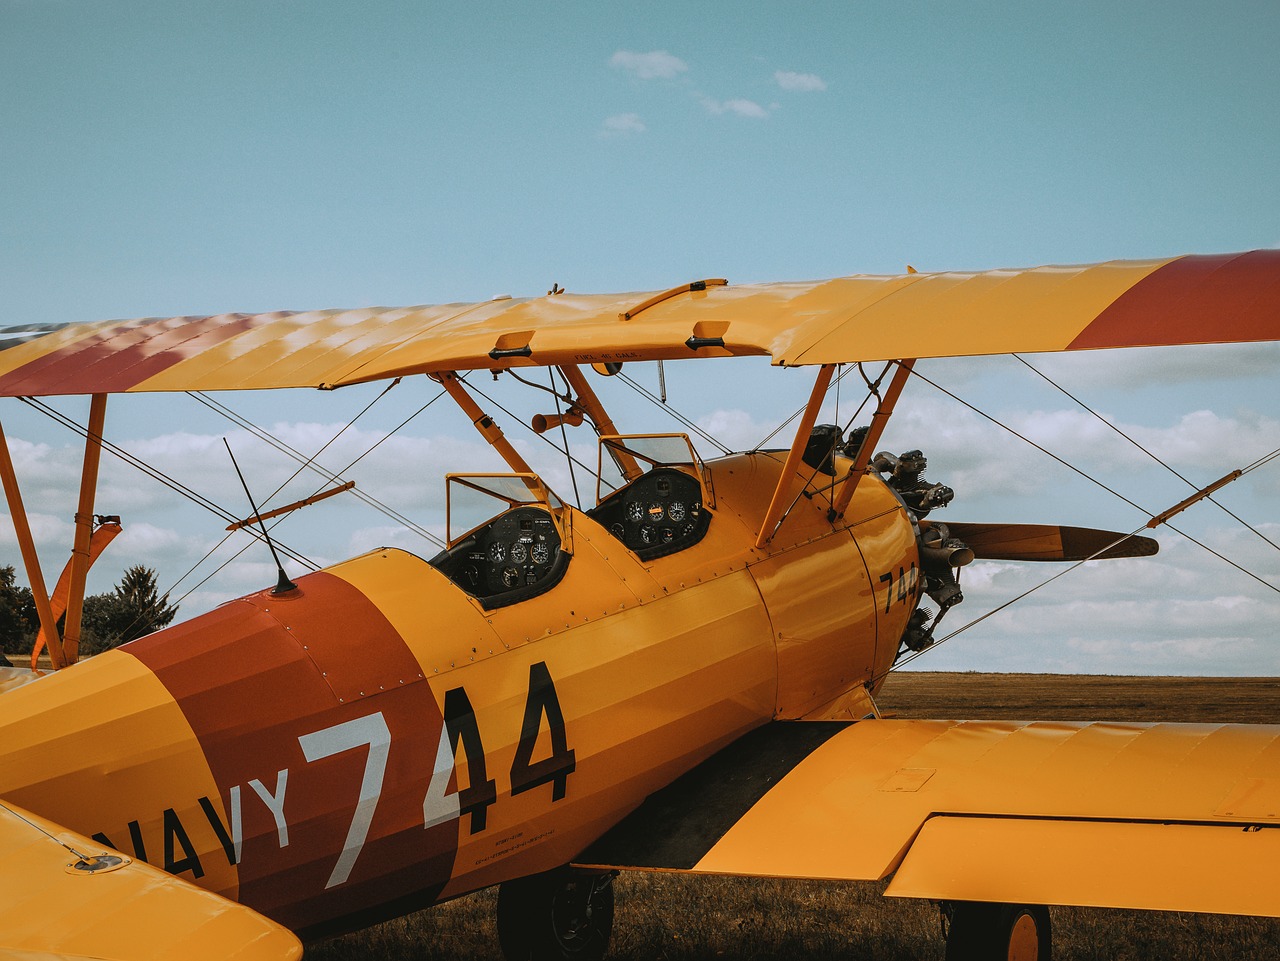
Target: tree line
(133, 609)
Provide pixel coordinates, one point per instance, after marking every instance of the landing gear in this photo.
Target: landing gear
(562, 915)
(978, 931)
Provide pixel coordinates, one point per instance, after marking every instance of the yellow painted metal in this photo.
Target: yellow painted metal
(651, 682)
(884, 410)
(80, 559)
(141, 743)
(968, 314)
(787, 480)
(587, 399)
(810, 593)
(647, 694)
(483, 423)
(853, 808)
(1217, 869)
(30, 560)
(51, 909)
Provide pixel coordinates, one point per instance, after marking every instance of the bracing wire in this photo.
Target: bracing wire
(543, 437)
(564, 436)
(334, 476)
(872, 387)
(158, 475)
(1226, 510)
(690, 425)
(1260, 462)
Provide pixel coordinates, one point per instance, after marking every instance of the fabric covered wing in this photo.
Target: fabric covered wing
(1159, 816)
(1193, 299)
(50, 909)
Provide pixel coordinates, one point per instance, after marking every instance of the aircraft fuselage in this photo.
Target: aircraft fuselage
(378, 740)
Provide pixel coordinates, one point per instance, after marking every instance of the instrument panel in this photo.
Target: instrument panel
(657, 514)
(515, 556)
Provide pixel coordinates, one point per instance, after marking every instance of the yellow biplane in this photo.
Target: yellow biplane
(681, 677)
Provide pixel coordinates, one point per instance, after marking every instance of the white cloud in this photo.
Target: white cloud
(1141, 368)
(623, 123)
(737, 106)
(799, 82)
(654, 65)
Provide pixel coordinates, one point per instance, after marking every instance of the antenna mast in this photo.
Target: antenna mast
(283, 584)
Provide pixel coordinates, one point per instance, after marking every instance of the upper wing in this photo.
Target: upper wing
(1184, 300)
(53, 906)
(1159, 816)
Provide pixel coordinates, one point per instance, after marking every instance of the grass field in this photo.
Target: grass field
(676, 918)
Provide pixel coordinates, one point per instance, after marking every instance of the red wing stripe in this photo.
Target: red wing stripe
(1229, 298)
(118, 360)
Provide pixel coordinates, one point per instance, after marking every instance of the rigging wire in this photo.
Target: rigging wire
(1079, 563)
(564, 436)
(334, 477)
(1013, 600)
(800, 410)
(1260, 462)
(648, 395)
(813, 472)
(1093, 480)
(543, 437)
(158, 475)
(1226, 510)
(331, 477)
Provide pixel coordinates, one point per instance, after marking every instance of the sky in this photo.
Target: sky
(177, 158)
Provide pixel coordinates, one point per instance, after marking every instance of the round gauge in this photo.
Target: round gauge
(540, 552)
(635, 512)
(648, 534)
(655, 512)
(510, 577)
(667, 535)
(618, 531)
(518, 553)
(663, 486)
(497, 552)
(676, 511)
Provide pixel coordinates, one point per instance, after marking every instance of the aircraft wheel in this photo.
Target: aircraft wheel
(978, 931)
(558, 916)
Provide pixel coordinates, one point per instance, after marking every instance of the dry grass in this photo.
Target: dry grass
(676, 918)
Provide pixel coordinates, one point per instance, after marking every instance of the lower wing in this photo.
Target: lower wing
(62, 896)
(1159, 816)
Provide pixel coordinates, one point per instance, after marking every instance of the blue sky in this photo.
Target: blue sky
(176, 158)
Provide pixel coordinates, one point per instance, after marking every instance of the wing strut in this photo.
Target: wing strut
(483, 422)
(884, 410)
(589, 402)
(786, 480)
(39, 593)
(80, 559)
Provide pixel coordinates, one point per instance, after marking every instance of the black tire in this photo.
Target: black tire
(558, 916)
(979, 931)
